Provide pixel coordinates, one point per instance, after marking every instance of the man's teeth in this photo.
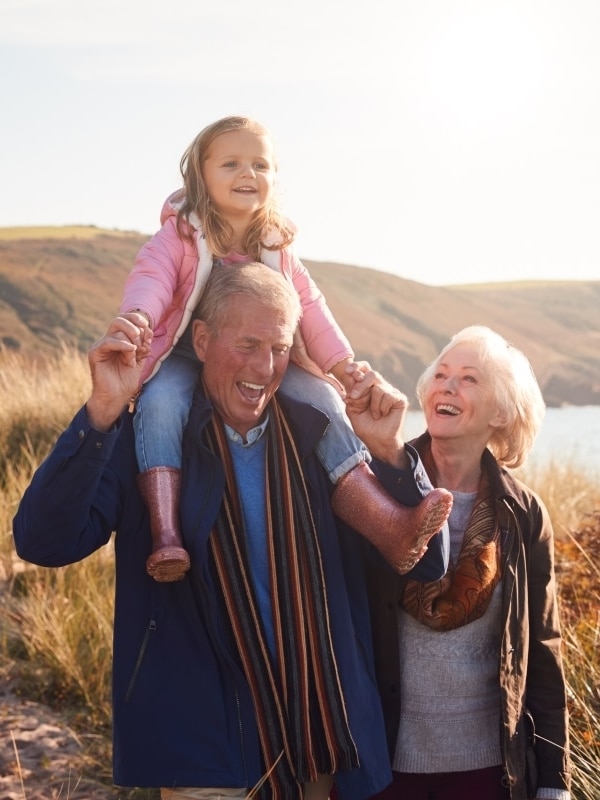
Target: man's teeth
(257, 387)
(447, 409)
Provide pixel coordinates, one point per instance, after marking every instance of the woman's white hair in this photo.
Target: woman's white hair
(517, 393)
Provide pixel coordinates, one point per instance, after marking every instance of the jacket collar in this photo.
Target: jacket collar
(308, 423)
(502, 482)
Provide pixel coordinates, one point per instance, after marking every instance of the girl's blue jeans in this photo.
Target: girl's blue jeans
(164, 403)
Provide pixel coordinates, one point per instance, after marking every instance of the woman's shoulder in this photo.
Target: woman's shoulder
(527, 503)
(516, 487)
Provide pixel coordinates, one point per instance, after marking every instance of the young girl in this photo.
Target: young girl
(225, 215)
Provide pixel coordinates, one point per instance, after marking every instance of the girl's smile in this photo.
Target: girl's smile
(239, 172)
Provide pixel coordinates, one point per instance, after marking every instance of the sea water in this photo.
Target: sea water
(569, 436)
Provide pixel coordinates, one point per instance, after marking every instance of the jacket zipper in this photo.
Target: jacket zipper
(142, 652)
(241, 732)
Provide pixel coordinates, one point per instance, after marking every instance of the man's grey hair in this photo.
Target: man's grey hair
(230, 286)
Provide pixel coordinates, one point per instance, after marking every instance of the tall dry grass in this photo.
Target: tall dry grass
(37, 400)
(578, 575)
(569, 491)
(572, 496)
(56, 625)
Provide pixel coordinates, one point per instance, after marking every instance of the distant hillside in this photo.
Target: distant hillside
(62, 285)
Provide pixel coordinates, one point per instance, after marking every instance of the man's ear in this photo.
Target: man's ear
(200, 337)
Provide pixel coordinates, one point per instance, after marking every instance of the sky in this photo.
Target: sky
(445, 141)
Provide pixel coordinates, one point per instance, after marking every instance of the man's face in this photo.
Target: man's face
(244, 361)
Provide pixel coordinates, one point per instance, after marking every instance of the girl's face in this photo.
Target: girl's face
(239, 172)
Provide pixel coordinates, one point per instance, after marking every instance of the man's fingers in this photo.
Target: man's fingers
(126, 337)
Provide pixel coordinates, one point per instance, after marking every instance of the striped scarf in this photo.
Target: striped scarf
(300, 711)
(464, 593)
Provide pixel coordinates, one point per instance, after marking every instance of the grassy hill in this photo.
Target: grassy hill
(62, 285)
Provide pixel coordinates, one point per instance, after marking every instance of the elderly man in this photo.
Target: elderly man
(258, 664)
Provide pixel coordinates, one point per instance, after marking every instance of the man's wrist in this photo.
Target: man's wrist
(99, 419)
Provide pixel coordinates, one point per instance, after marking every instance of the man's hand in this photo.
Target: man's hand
(376, 410)
(116, 362)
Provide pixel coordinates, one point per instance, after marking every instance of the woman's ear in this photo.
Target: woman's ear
(200, 337)
(499, 419)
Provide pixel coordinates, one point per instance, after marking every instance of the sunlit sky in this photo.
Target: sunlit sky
(446, 141)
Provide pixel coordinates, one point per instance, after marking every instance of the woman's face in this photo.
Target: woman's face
(459, 403)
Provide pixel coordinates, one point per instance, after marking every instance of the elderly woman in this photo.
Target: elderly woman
(469, 666)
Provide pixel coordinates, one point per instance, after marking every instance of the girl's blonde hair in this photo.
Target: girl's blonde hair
(218, 231)
(516, 391)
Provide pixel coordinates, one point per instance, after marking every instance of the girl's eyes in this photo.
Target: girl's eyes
(259, 166)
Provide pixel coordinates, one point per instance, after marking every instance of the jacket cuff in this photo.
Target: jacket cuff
(408, 486)
(87, 441)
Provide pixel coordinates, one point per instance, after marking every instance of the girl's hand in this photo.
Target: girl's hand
(143, 338)
(370, 391)
(349, 373)
(379, 421)
(352, 378)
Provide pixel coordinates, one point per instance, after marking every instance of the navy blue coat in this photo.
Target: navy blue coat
(183, 711)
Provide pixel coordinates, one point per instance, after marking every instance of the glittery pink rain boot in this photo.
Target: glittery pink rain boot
(400, 533)
(160, 488)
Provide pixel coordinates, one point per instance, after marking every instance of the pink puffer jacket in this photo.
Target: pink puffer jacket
(169, 276)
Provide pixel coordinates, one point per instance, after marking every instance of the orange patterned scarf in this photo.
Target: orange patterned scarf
(464, 593)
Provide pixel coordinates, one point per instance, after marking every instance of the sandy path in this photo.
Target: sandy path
(40, 756)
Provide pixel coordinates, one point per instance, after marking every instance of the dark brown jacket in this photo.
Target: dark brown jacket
(530, 666)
